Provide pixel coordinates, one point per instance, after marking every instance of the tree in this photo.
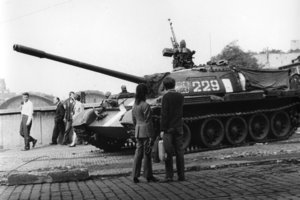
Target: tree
(294, 51)
(271, 51)
(236, 56)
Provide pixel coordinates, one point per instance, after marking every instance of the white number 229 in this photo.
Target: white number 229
(205, 86)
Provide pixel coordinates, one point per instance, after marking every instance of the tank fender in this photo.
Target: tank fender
(127, 118)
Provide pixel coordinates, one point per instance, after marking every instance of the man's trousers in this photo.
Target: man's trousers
(174, 142)
(25, 131)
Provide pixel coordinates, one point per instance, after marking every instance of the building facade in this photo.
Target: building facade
(275, 60)
(4, 92)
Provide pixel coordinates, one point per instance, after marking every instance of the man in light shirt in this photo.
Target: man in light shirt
(26, 122)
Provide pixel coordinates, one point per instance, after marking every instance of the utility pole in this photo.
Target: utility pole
(210, 44)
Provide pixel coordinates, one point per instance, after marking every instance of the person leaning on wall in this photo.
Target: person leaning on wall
(78, 108)
(59, 125)
(69, 109)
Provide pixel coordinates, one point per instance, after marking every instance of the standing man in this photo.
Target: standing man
(171, 126)
(26, 122)
(78, 108)
(59, 125)
(69, 109)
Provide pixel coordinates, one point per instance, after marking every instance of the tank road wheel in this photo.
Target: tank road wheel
(236, 130)
(212, 132)
(280, 124)
(186, 136)
(259, 127)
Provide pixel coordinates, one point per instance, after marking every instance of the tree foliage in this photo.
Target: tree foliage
(236, 56)
(271, 51)
(294, 51)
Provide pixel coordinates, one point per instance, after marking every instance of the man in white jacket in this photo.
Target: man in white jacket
(26, 122)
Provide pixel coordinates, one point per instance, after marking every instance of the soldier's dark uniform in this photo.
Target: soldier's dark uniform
(183, 57)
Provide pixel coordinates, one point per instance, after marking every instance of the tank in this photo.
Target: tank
(224, 105)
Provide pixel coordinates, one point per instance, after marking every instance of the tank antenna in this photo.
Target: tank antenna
(173, 38)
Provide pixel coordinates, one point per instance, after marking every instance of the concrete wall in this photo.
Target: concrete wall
(276, 59)
(42, 127)
(37, 101)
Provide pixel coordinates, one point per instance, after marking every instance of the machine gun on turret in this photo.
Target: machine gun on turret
(173, 39)
(182, 56)
(169, 52)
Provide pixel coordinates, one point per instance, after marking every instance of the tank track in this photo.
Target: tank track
(192, 148)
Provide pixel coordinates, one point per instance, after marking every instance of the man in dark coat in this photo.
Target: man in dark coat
(59, 125)
(172, 129)
(69, 111)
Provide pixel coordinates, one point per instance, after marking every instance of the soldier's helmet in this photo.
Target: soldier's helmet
(77, 97)
(123, 88)
(182, 44)
(107, 94)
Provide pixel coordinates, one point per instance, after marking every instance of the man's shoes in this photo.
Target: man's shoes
(136, 180)
(72, 145)
(53, 143)
(181, 179)
(166, 180)
(25, 149)
(34, 143)
(152, 179)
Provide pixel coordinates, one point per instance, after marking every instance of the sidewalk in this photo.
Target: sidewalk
(44, 159)
(263, 182)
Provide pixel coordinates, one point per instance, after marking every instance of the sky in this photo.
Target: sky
(129, 36)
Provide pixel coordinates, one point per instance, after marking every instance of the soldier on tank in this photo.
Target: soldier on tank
(183, 57)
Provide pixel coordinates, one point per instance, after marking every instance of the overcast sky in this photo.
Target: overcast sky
(129, 36)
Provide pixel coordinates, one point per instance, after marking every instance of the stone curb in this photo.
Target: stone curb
(23, 178)
(54, 176)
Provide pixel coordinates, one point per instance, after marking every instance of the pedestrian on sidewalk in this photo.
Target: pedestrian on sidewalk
(26, 122)
(144, 134)
(69, 108)
(171, 126)
(78, 108)
(59, 125)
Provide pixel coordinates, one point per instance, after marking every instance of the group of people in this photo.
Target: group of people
(65, 112)
(171, 127)
(64, 115)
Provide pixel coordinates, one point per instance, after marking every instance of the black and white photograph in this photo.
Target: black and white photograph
(137, 99)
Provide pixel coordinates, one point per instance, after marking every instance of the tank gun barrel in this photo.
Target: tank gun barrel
(109, 72)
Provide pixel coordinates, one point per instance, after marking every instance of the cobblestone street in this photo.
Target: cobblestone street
(276, 181)
(260, 171)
